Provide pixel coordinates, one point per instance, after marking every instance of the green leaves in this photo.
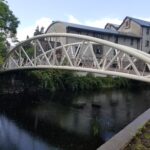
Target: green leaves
(2, 48)
(55, 80)
(8, 27)
(8, 21)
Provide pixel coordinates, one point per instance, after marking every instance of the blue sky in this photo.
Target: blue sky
(88, 12)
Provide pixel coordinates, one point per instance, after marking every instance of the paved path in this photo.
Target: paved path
(120, 140)
(141, 140)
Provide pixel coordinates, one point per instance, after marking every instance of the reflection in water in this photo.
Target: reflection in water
(14, 138)
(43, 121)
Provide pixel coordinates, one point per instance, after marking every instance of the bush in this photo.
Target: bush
(60, 80)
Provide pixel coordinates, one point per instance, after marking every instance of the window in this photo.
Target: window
(102, 36)
(77, 48)
(147, 31)
(78, 32)
(98, 51)
(68, 30)
(114, 52)
(116, 40)
(97, 35)
(124, 39)
(132, 42)
(127, 24)
(94, 34)
(146, 43)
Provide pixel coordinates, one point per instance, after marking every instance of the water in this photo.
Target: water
(61, 121)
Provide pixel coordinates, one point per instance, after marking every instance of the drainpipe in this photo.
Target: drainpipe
(142, 39)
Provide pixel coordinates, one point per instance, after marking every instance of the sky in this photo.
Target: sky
(96, 13)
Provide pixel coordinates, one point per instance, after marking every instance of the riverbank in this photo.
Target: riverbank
(125, 136)
(58, 80)
(142, 139)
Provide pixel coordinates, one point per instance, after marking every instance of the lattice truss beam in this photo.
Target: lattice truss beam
(81, 53)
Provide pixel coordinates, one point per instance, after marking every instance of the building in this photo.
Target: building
(129, 39)
(137, 27)
(111, 26)
(132, 32)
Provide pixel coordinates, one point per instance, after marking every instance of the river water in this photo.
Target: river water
(62, 121)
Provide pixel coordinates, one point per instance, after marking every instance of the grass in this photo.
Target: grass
(141, 141)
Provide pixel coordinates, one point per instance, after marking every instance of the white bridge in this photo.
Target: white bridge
(79, 53)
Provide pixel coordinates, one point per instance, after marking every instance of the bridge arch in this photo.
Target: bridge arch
(79, 53)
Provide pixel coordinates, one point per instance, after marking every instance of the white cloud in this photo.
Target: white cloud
(72, 19)
(23, 32)
(146, 19)
(45, 22)
(100, 23)
(29, 30)
(94, 23)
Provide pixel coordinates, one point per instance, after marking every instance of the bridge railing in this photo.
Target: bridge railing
(81, 53)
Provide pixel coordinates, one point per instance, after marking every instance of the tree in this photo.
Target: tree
(8, 21)
(38, 31)
(8, 27)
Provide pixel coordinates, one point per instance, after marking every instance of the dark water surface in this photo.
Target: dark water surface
(61, 121)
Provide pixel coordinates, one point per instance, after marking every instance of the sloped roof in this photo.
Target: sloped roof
(93, 29)
(116, 26)
(140, 22)
(84, 27)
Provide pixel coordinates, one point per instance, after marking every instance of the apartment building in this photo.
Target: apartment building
(137, 27)
(131, 32)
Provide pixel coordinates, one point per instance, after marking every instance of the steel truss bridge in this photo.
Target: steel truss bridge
(79, 53)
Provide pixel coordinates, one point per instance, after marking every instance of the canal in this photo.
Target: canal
(62, 121)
